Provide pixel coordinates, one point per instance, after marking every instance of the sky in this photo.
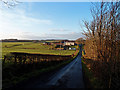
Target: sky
(48, 20)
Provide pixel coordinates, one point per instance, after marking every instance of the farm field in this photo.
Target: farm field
(30, 47)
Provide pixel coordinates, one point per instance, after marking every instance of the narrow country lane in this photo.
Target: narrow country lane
(71, 77)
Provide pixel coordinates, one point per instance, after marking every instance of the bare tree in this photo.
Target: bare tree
(9, 3)
(102, 43)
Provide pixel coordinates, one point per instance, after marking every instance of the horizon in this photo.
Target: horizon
(38, 39)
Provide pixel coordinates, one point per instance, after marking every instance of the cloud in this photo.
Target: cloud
(15, 35)
(59, 30)
(19, 17)
(70, 35)
(14, 23)
(18, 20)
(34, 36)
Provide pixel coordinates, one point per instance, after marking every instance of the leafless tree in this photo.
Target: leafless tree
(102, 43)
(9, 3)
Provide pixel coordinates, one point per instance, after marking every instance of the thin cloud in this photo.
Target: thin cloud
(33, 36)
(20, 18)
(59, 30)
(12, 22)
(71, 35)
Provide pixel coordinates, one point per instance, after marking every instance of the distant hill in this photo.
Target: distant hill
(47, 40)
(16, 40)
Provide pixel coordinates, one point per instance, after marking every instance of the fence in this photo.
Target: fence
(23, 58)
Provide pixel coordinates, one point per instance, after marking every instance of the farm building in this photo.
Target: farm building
(72, 48)
(69, 43)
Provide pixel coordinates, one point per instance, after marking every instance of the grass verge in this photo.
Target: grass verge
(89, 79)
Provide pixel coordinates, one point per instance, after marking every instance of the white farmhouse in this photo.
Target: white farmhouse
(69, 43)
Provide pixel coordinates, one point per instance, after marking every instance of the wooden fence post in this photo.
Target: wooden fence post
(4, 59)
(20, 59)
(24, 59)
(15, 59)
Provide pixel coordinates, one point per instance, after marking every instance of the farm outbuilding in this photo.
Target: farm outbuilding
(69, 43)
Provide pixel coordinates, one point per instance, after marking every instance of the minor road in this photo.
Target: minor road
(69, 76)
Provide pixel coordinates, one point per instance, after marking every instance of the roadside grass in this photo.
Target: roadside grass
(90, 80)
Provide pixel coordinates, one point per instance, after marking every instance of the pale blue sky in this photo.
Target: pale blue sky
(49, 20)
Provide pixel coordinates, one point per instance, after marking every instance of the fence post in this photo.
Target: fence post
(24, 59)
(20, 59)
(4, 59)
(15, 59)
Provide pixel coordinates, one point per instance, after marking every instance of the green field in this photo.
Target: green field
(30, 47)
